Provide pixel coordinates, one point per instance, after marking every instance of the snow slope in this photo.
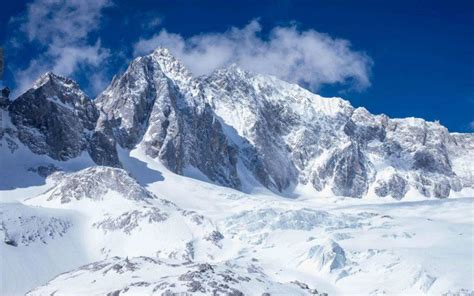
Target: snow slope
(168, 232)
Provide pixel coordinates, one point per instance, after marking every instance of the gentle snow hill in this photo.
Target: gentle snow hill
(37, 244)
(148, 276)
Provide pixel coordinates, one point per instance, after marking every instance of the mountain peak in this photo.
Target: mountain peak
(50, 77)
(234, 69)
(231, 72)
(162, 51)
(171, 66)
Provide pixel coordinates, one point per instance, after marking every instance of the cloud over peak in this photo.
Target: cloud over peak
(65, 35)
(306, 57)
(62, 28)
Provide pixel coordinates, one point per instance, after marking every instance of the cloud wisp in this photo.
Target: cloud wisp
(306, 57)
(62, 29)
(64, 34)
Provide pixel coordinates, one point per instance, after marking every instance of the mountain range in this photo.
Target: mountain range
(232, 126)
(234, 183)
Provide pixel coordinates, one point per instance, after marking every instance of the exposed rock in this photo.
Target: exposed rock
(395, 186)
(102, 146)
(54, 117)
(215, 237)
(156, 102)
(4, 97)
(130, 220)
(349, 171)
(95, 183)
(44, 171)
(431, 161)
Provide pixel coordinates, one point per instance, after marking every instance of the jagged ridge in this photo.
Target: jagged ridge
(232, 123)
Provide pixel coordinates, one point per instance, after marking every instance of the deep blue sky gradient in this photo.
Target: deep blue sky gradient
(423, 51)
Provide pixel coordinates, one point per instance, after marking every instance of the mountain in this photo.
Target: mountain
(98, 231)
(232, 126)
(156, 103)
(233, 183)
(56, 118)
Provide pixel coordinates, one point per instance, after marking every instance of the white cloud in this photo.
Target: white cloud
(62, 29)
(306, 57)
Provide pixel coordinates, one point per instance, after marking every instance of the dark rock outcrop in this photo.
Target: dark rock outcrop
(56, 118)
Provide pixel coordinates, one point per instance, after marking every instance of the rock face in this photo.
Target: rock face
(349, 170)
(233, 126)
(158, 104)
(287, 135)
(4, 97)
(56, 118)
(396, 186)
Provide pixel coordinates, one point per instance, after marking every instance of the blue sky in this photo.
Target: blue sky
(401, 58)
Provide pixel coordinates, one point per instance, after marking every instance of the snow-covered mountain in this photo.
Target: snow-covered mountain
(169, 183)
(232, 126)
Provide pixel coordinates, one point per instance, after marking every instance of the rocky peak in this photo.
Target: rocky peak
(53, 116)
(62, 88)
(94, 183)
(232, 71)
(50, 77)
(171, 66)
(157, 104)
